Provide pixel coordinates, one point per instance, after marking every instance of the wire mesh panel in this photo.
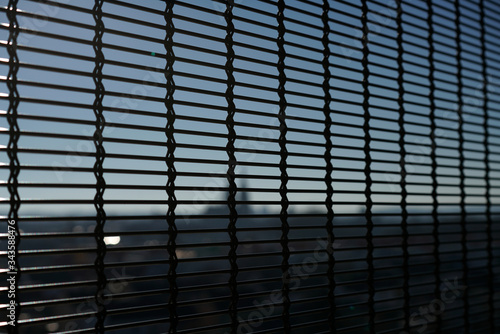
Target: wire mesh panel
(242, 166)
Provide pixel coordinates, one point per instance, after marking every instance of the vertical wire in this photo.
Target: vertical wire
(402, 166)
(98, 166)
(435, 204)
(12, 148)
(463, 213)
(489, 219)
(285, 266)
(231, 176)
(171, 171)
(329, 167)
(367, 170)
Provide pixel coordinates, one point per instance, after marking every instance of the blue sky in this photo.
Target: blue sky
(257, 29)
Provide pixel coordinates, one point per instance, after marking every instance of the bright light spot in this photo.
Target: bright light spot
(112, 240)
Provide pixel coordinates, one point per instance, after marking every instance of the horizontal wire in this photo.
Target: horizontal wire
(153, 172)
(421, 263)
(319, 50)
(214, 286)
(257, 190)
(45, 269)
(253, 151)
(79, 105)
(51, 251)
(199, 301)
(198, 315)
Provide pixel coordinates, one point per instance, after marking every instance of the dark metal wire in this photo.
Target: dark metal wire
(402, 167)
(434, 165)
(98, 167)
(329, 167)
(409, 52)
(489, 218)
(171, 170)
(204, 273)
(367, 169)
(463, 212)
(365, 143)
(285, 266)
(241, 137)
(231, 176)
(12, 153)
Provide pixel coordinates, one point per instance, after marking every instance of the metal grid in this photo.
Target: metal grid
(267, 167)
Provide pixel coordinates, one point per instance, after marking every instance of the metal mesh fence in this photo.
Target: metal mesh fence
(242, 166)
